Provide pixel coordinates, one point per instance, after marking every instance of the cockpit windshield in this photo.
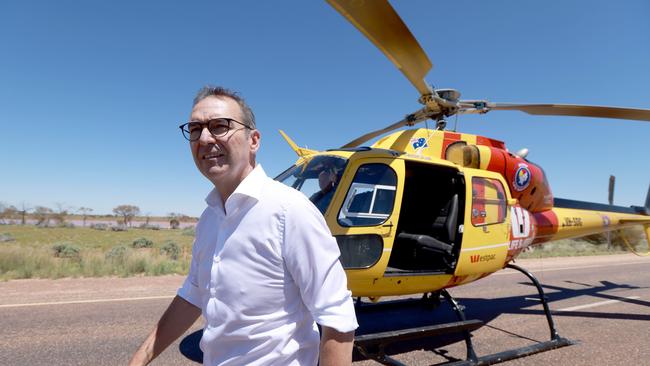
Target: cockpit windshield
(317, 179)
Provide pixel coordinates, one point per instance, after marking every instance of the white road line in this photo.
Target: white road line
(85, 301)
(541, 270)
(595, 304)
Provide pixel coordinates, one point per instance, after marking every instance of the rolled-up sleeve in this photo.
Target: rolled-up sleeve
(311, 255)
(190, 288)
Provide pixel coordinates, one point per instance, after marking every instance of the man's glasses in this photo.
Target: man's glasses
(218, 127)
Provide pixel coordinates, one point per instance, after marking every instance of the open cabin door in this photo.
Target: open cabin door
(485, 229)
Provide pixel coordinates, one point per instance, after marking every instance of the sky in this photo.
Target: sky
(92, 92)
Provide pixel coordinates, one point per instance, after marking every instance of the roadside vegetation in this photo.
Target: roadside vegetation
(591, 245)
(29, 251)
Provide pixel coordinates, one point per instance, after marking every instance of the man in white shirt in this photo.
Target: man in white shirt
(265, 267)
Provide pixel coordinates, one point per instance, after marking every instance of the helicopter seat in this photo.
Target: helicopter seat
(428, 243)
(446, 223)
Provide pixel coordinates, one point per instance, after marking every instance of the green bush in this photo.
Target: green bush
(5, 237)
(117, 253)
(171, 249)
(142, 243)
(99, 226)
(189, 231)
(66, 250)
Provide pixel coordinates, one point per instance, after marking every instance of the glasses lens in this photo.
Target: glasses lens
(193, 130)
(219, 127)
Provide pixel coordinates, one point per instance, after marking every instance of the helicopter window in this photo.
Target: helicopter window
(488, 202)
(371, 196)
(360, 251)
(317, 179)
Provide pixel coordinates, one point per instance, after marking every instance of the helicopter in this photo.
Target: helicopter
(424, 209)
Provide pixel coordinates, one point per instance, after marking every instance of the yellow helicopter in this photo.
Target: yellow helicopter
(422, 210)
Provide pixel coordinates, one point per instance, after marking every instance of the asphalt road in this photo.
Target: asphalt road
(603, 303)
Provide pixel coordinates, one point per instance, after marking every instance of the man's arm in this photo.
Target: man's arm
(335, 347)
(178, 317)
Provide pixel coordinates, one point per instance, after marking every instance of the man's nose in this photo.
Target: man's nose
(206, 137)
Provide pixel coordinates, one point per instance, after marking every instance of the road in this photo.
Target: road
(601, 302)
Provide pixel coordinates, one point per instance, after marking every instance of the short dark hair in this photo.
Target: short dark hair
(218, 91)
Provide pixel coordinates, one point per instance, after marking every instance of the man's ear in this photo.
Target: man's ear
(255, 138)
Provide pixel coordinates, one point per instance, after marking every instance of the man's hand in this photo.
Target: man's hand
(335, 347)
(178, 317)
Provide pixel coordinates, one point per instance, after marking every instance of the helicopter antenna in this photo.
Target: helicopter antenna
(441, 123)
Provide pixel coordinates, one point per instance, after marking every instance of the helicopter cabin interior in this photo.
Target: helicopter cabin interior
(432, 210)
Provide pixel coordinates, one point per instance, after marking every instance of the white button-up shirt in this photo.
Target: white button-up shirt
(264, 271)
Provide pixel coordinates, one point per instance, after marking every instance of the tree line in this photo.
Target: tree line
(46, 216)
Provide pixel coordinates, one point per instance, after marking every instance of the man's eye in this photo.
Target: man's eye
(193, 127)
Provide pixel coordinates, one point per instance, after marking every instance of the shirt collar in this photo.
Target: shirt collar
(251, 187)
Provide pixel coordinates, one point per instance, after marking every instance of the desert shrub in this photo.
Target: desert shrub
(171, 249)
(174, 223)
(66, 250)
(189, 231)
(149, 226)
(142, 243)
(5, 237)
(118, 228)
(99, 226)
(117, 253)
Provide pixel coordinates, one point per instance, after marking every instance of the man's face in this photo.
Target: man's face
(325, 180)
(227, 159)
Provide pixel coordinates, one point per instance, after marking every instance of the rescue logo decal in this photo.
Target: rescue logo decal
(522, 232)
(522, 177)
(419, 142)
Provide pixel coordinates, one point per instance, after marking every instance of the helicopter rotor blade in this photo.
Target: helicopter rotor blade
(379, 22)
(409, 120)
(558, 110)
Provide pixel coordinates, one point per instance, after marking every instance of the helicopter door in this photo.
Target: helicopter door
(485, 231)
(432, 206)
(365, 219)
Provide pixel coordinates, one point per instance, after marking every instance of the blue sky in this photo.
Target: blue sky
(92, 92)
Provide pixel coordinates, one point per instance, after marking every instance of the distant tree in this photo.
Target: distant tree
(42, 215)
(175, 220)
(23, 212)
(174, 223)
(59, 214)
(7, 212)
(128, 212)
(84, 212)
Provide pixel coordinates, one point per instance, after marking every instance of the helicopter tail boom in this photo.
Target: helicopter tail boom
(573, 219)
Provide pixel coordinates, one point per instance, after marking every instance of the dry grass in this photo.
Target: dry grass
(31, 254)
(591, 245)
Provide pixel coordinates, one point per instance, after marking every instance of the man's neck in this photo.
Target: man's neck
(226, 189)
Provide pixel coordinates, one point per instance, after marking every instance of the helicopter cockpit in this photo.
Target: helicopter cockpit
(318, 179)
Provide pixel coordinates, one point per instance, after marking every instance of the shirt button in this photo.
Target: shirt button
(217, 259)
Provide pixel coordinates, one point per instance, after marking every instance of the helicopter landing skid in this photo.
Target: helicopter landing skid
(372, 346)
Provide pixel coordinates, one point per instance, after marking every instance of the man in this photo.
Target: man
(327, 179)
(264, 265)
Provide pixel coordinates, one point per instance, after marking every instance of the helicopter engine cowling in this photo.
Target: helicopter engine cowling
(526, 180)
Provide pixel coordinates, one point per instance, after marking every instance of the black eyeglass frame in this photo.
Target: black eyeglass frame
(188, 136)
